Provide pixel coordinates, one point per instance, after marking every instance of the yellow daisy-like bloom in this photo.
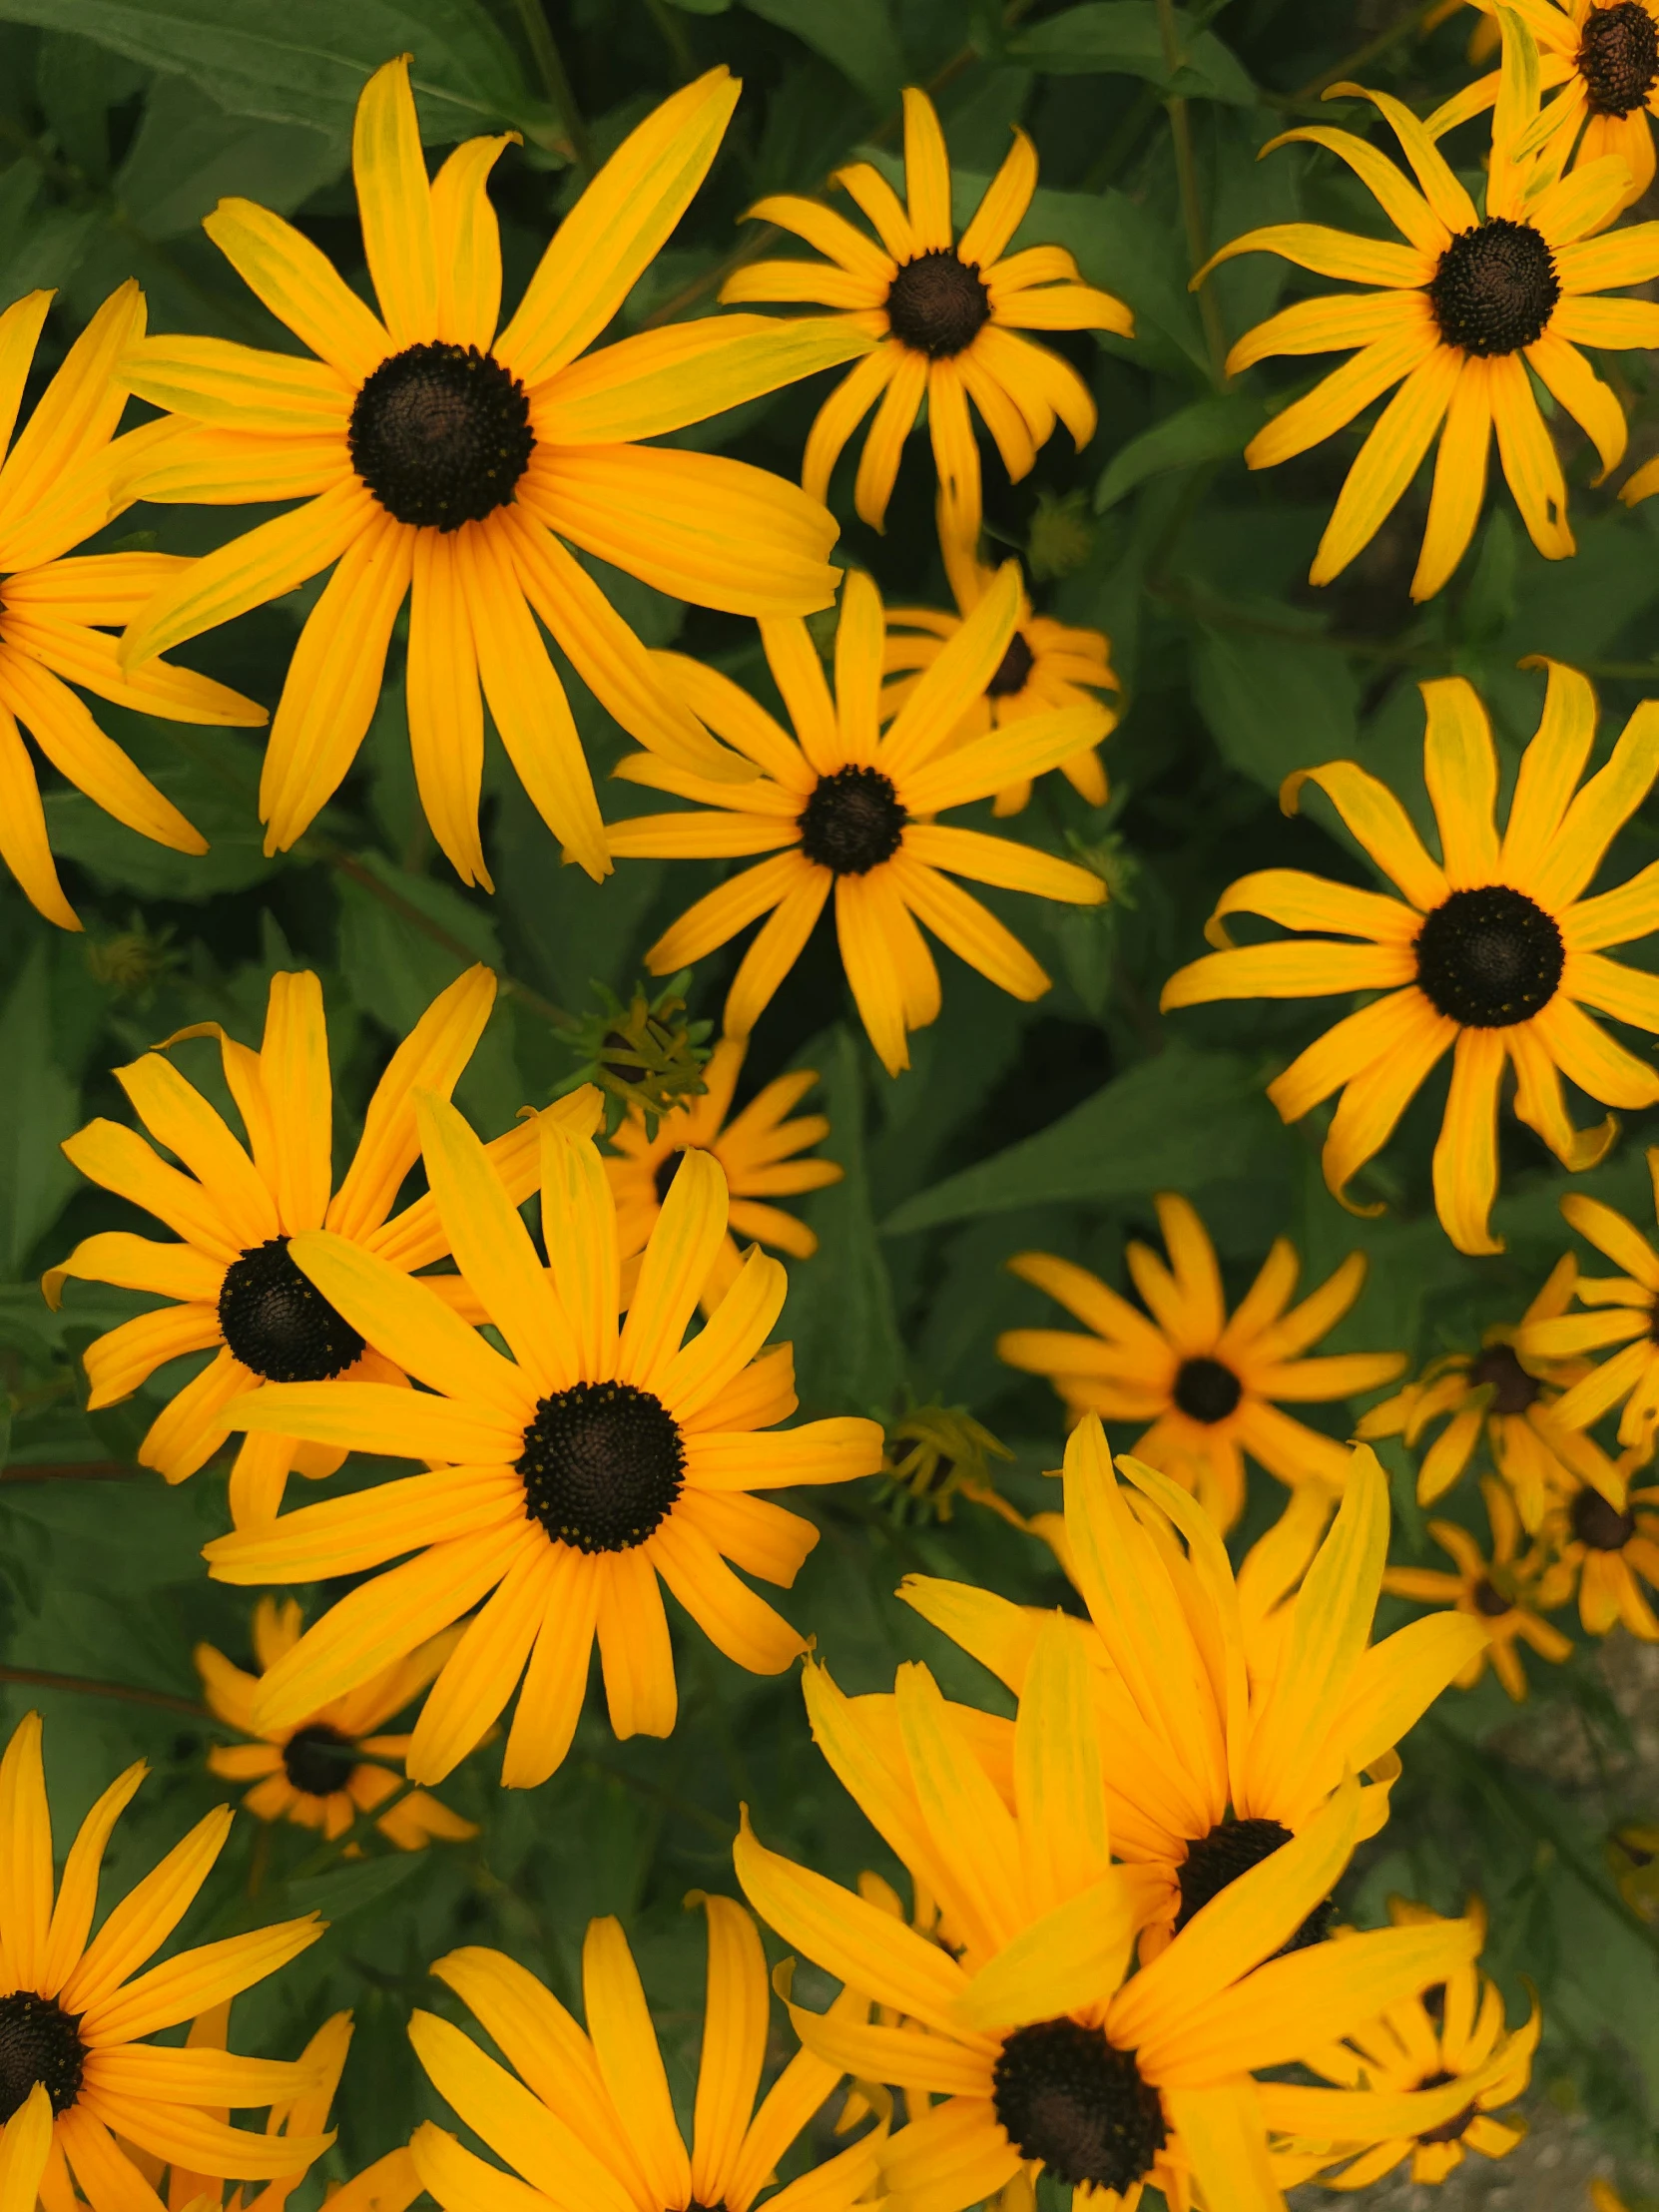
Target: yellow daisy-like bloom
(334, 1765)
(1047, 665)
(1209, 1385)
(590, 2122)
(1220, 1755)
(1612, 1543)
(757, 1154)
(563, 1480)
(1493, 949)
(441, 458)
(1472, 304)
(55, 491)
(946, 315)
(1510, 1401)
(1602, 59)
(235, 1291)
(1627, 1315)
(1049, 2058)
(841, 806)
(1421, 2081)
(1506, 1596)
(74, 2073)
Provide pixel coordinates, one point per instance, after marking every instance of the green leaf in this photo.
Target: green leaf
(856, 35)
(189, 154)
(346, 1890)
(1276, 703)
(119, 858)
(42, 1108)
(1208, 431)
(1178, 1122)
(1125, 37)
(305, 61)
(50, 252)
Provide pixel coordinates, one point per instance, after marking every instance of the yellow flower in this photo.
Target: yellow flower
(1047, 665)
(1471, 304)
(437, 457)
(1207, 1383)
(1613, 1545)
(1605, 2198)
(325, 1769)
(1421, 2081)
(1627, 1315)
(76, 2082)
(1220, 1754)
(1506, 1596)
(563, 1480)
(1493, 949)
(234, 1290)
(1050, 2059)
(840, 806)
(55, 490)
(1512, 1400)
(1601, 57)
(757, 1152)
(945, 314)
(596, 2127)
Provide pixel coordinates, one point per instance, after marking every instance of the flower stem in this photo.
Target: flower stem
(549, 62)
(1363, 56)
(1192, 212)
(40, 1678)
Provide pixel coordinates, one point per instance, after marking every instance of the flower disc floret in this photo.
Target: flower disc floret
(853, 822)
(1216, 1860)
(1207, 1389)
(939, 304)
(279, 1326)
(441, 434)
(1013, 669)
(1495, 288)
(1618, 58)
(1489, 957)
(1065, 2095)
(603, 1465)
(39, 2042)
(1498, 1370)
(1599, 1524)
(318, 1760)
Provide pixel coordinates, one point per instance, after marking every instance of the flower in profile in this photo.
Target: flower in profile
(1506, 1595)
(336, 1764)
(562, 1482)
(1473, 306)
(1508, 1400)
(1624, 1312)
(440, 458)
(1050, 2059)
(1209, 1385)
(1224, 1752)
(233, 1289)
(946, 315)
(1494, 952)
(1423, 2081)
(598, 2127)
(1613, 1545)
(77, 2081)
(843, 807)
(1048, 665)
(55, 491)
(1601, 59)
(758, 1150)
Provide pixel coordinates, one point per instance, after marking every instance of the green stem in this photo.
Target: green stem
(69, 1470)
(674, 37)
(1363, 56)
(39, 1678)
(538, 35)
(1192, 212)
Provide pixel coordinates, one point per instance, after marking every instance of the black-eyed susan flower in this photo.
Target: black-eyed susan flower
(1049, 2058)
(1612, 1543)
(1214, 1770)
(440, 458)
(1473, 306)
(563, 1481)
(77, 2081)
(1506, 1596)
(1625, 1313)
(843, 807)
(1601, 59)
(590, 2121)
(55, 491)
(1048, 665)
(1209, 1385)
(948, 316)
(1423, 2081)
(1492, 953)
(234, 1290)
(759, 1152)
(338, 1764)
(1508, 1400)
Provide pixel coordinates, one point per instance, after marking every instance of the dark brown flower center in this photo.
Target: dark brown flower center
(1512, 1388)
(1206, 1391)
(938, 305)
(1618, 57)
(39, 2042)
(318, 1759)
(602, 1465)
(1600, 1525)
(1490, 957)
(1495, 288)
(440, 434)
(667, 1168)
(1216, 1860)
(279, 1323)
(1490, 1600)
(1014, 671)
(1067, 2096)
(853, 822)
(1448, 2131)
